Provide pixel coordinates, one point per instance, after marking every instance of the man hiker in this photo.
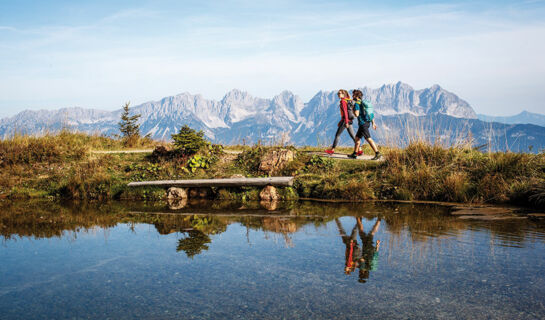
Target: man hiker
(363, 110)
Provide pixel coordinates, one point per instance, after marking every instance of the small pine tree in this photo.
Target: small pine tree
(129, 127)
(188, 141)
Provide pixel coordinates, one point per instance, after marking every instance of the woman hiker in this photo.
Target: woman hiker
(365, 119)
(345, 122)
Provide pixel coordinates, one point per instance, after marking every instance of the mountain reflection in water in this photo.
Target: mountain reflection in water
(282, 260)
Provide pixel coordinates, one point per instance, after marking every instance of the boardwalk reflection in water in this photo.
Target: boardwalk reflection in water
(127, 260)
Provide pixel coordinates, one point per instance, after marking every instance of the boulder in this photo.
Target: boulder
(200, 193)
(176, 193)
(176, 204)
(269, 193)
(269, 205)
(275, 160)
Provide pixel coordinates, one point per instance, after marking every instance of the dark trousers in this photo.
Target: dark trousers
(340, 129)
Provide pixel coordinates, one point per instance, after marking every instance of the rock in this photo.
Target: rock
(175, 204)
(269, 205)
(176, 193)
(237, 176)
(269, 193)
(199, 193)
(276, 160)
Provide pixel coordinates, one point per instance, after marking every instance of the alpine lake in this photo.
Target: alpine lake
(294, 260)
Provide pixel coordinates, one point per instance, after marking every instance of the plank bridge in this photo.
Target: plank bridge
(229, 182)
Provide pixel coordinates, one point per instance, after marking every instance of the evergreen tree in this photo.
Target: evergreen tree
(129, 127)
(188, 141)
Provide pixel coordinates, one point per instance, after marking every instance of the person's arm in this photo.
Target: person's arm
(374, 125)
(344, 108)
(357, 110)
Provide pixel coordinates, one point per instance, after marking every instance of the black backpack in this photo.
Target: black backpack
(350, 109)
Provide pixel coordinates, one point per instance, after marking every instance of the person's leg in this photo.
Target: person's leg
(354, 234)
(375, 227)
(367, 137)
(357, 144)
(351, 132)
(340, 227)
(340, 128)
(372, 144)
(360, 225)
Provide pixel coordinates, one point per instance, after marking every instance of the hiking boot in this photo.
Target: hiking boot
(353, 156)
(377, 156)
(359, 153)
(329, 151)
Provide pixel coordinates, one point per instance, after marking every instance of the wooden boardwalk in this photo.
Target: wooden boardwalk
(230, 182)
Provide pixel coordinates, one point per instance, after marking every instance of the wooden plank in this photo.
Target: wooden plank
(231, 182)
(252, 213)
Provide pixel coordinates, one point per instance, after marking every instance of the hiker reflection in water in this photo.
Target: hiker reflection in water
(366, 258)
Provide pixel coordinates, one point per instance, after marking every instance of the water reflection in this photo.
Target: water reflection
(153, 260)
(365, 259)
(197, 219)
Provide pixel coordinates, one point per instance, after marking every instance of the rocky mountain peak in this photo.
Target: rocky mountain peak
(238, 115)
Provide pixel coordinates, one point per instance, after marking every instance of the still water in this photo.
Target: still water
(235, 261)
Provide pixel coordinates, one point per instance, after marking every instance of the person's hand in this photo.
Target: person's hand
(346, 125)
(374, 126)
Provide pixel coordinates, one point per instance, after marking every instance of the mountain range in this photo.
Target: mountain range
(523, 117)
(402, 113)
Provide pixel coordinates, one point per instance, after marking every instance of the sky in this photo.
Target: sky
(100, 54)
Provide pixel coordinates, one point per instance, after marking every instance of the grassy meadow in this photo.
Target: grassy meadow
(65, 166)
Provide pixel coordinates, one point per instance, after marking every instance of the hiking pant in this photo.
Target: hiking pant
(340, 129)
(347, 239)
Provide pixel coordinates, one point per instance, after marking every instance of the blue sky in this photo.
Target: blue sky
(99, 54)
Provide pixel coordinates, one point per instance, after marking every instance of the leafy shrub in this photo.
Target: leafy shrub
(320, 163)
(197, 162)
(141, 171)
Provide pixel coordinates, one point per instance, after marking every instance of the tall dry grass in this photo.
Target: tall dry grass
(426, 171)
(23, 149)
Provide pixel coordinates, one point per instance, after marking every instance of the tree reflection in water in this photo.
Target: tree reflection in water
(192, 244)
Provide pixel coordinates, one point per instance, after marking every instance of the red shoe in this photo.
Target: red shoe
(329, 151)
(359, 153)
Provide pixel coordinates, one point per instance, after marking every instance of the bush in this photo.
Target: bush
(251, 158)
(188, 141)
